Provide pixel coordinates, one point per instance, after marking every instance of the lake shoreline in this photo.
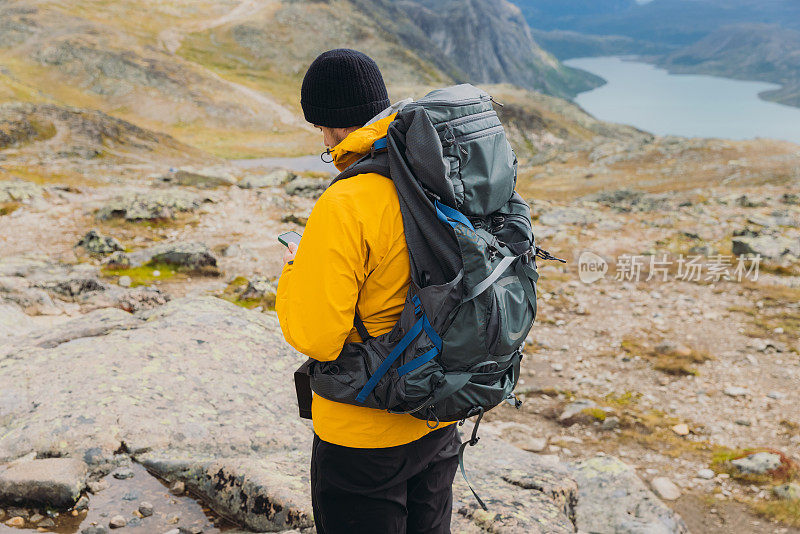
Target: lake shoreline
(648, 96)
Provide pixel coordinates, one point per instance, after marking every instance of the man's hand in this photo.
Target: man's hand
(291, 250)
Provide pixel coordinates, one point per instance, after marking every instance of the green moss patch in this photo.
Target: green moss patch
(776, 317)
(7, 208)
(626, 398)
(144, 275)
(236, 287)
(672, 360)
(598, 414)
(782, 511)
(723, 456)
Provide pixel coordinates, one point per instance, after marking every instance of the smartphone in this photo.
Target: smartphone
(289, 237)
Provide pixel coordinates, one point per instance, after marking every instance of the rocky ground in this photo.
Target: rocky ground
(136, 338)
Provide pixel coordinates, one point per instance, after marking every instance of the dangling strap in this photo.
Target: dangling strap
(360, 328)
(471, 442)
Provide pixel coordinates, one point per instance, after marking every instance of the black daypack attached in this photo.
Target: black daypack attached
(455, 351)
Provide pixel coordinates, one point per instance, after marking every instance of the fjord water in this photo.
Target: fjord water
(654, 100)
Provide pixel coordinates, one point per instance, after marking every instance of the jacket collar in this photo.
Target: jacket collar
(357, 144)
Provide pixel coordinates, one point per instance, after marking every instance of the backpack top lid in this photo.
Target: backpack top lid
(456, 148)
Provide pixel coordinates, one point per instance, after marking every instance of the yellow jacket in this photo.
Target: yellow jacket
(352, 256)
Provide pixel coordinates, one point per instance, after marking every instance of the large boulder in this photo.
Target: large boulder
(206, 178)
(18, 191)
(613, 500)
(96, 243)
(37, 285)
(56, 482)
(306, 187)
(568, 215)
(275, 178)
(260, 287)
(185, 256)
(759, 463)
(152, 205)
(767, 246)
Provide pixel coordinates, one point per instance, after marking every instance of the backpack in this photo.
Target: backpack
(455, 351)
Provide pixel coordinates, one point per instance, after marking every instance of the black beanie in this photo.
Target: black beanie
(343, 88)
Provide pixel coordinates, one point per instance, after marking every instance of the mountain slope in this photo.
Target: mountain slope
(490, 41)
(106, 56)
(565, 44)
(762, 52)
(225, 75)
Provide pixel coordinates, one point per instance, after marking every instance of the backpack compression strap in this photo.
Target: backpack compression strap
(421, 325)
(471, 442)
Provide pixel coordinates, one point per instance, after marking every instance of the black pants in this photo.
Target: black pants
(393, 490)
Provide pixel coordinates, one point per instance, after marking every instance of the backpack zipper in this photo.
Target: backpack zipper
(455, 103)
(466, 119)
(477, 135)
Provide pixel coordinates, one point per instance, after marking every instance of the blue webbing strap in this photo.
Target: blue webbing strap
(387, 363)
(445, 213)
(418, 361)
(428, 356)
(396, 352)
(380, 144)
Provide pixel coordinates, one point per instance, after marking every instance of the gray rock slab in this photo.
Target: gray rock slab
(184, 255)
(306, 187)
(767, 246)
(758, 463)
(574, 411)
(56, 482)
(18, 190)
(613, 500)
(275, 178)
(150, 205)
(266, 494)
(563, 216)
(93, 324)
(523, 492)
(12, 320)
(201, 384)
(206, 178)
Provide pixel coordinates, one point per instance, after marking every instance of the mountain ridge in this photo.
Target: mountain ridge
(225, 76)
(746, 51)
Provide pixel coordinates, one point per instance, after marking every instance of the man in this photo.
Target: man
(371, 471)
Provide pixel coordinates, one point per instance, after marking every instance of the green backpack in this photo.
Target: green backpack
(455, 351)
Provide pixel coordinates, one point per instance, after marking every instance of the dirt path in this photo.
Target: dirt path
(171, 38)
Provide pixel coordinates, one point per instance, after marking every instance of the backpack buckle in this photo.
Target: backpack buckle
(417, 305)
(381, 145)
(527, 256)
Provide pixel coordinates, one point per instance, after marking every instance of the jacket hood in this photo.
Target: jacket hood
(358, 143)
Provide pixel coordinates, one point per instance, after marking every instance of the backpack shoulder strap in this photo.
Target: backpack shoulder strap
(377, 161)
